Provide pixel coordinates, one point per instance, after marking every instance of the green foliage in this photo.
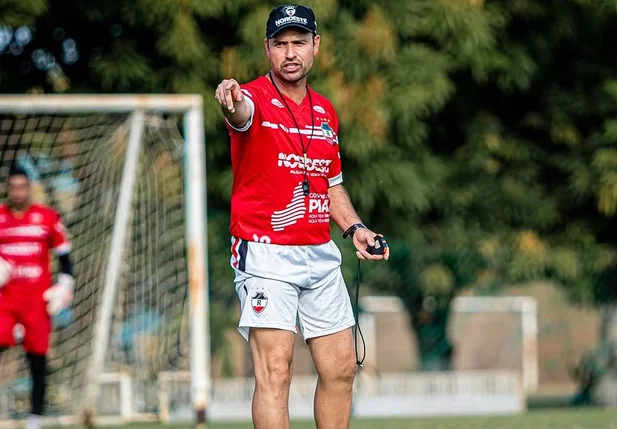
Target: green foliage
(15, 13)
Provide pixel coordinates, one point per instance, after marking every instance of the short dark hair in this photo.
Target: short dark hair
(18, 170)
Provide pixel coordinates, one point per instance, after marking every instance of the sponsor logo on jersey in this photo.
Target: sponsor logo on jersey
(318, 208)
(319, 205)
(319, 109)
(277, 103)
(21, 249)
(27, 272)
(294, 211)
(259, 301)
(24, 231)
(296, 161)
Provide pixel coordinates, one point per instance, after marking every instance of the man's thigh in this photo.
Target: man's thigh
(325, 308)
(37, 326)
(267, 303)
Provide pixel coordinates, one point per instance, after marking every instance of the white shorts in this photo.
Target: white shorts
(291, 287)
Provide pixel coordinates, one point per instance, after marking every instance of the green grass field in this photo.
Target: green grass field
(545, 419)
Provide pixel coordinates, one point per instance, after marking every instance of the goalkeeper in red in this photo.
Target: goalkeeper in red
(28, 297)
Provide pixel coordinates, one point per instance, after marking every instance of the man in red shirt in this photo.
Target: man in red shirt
(27, 298)
(287, 186)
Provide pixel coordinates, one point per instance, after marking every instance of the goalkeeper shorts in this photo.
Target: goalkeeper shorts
(24, 319)
(291, 287)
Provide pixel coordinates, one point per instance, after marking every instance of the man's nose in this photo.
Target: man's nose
(290, 52)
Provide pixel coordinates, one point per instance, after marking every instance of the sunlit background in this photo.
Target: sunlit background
(478, 136)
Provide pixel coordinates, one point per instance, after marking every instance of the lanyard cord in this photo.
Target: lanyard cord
(357, 327)
(305, 185)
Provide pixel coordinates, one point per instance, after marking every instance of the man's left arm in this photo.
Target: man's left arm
(60, 295)
(345, 216)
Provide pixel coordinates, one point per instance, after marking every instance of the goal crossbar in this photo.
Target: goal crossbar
(121, 103)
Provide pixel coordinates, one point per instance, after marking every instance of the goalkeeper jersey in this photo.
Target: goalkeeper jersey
(25, 241)
(268, 202)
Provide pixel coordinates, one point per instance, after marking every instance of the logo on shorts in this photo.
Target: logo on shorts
(259, 302)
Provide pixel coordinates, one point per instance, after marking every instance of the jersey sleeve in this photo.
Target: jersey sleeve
(58, 237)
(335, 175)
(250, 95)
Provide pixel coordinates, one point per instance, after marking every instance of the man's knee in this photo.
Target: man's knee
(345, 370)
(340, 367)
(273, 373)
(272, 357)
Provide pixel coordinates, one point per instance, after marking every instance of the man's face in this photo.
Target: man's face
(291, 53)
(18, 190)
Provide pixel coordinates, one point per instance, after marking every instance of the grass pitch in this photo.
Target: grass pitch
(545, 419)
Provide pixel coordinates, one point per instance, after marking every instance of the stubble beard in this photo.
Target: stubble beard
(304, 71)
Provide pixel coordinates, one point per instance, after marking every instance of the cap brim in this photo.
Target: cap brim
(289, 25)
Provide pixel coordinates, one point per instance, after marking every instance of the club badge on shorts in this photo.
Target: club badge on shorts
(259, 302)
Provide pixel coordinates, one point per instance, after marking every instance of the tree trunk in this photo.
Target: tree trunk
(604, 389)
(434, 347)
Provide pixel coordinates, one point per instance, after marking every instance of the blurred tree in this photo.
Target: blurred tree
(478, 135)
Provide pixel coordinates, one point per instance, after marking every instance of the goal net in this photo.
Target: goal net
(497, 333)
(124, 173)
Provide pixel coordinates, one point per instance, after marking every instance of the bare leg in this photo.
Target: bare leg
(336, 366)
(272, 351)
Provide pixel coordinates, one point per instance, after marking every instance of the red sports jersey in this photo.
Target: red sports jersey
(25, 242)
(267, 202)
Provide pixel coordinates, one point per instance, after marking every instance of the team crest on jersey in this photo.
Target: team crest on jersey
(328, 132)
(290, 10)
(259, 301)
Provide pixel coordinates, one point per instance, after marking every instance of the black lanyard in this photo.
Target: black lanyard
(305, 184)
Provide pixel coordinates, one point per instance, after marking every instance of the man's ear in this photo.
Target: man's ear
(316, 43)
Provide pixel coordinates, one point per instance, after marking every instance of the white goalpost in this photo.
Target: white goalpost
(127, 172)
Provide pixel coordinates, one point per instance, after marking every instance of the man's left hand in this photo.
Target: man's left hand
(60, 295)
(364, 237)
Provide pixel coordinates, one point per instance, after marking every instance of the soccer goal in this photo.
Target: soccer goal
(127, 173)
(495, 363)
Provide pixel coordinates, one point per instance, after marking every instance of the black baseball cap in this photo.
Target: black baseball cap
(291, 15)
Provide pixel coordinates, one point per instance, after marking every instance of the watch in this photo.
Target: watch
(350, 231)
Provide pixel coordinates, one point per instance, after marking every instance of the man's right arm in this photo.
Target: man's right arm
(237, 108)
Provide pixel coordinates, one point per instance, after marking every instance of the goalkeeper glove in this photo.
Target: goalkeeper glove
(5, 271)
(60, 295)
